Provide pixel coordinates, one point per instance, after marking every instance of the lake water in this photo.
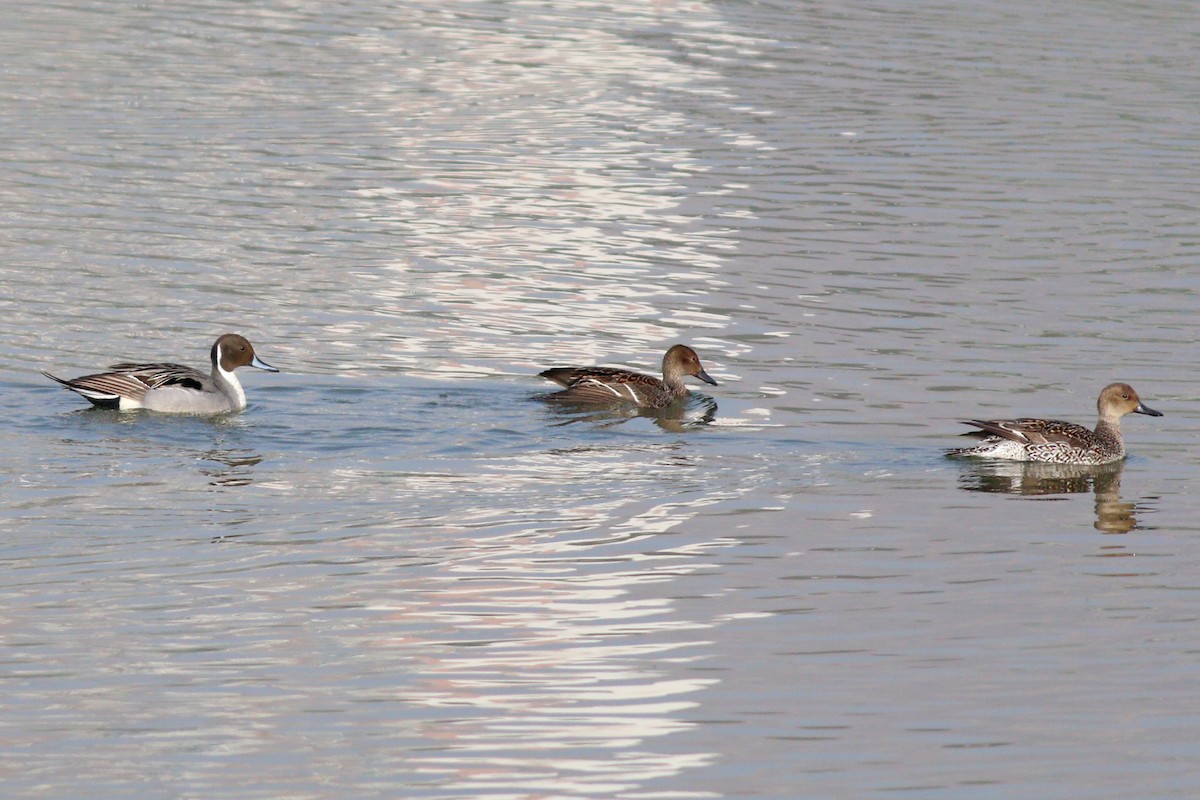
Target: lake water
(397, 575)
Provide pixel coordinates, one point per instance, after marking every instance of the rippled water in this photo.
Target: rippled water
(396, 574)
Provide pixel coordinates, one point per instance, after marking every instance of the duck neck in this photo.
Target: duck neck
(229, 385)
(1110, 428)
(673, 380)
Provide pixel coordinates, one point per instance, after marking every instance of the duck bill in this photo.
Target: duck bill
(1145, 409)
(704, 376)
(258, 363)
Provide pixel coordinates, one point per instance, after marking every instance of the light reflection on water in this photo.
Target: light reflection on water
(586, 249)
(538, 663)
(557, 664)
(541, 671)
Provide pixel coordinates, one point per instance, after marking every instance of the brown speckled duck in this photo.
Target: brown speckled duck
(1058, 442)
(608, 385)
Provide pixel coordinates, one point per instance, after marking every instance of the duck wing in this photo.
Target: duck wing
(157, 375)
(1031, 431)
(605, 385)
(565, 376)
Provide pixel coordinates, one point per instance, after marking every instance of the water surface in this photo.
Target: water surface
(397, 574)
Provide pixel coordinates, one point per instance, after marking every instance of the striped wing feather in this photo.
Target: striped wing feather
(132, 381)
(1031, 431)
(104, 387)
(153, 376)
(604, 385)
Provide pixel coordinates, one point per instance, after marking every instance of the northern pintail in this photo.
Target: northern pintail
(173, 388)
(1058, 442)
(607, 385)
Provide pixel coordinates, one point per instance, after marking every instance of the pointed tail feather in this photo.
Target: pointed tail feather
(102, 399)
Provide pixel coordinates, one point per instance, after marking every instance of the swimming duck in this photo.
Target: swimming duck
(608, 385)
(173, 388)
(1056, 441)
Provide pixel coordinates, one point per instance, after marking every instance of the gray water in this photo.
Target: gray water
(397, 575)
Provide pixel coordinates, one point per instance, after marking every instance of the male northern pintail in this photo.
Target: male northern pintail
(174, 388)
(606, 385)
(1058, 442)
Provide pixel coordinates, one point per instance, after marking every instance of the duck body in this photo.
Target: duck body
(173, 388)
(1056, 441)
(610, 385)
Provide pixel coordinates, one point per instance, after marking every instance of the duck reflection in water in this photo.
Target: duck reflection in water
(685, 414)
(235, 469)
(1034, 479)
